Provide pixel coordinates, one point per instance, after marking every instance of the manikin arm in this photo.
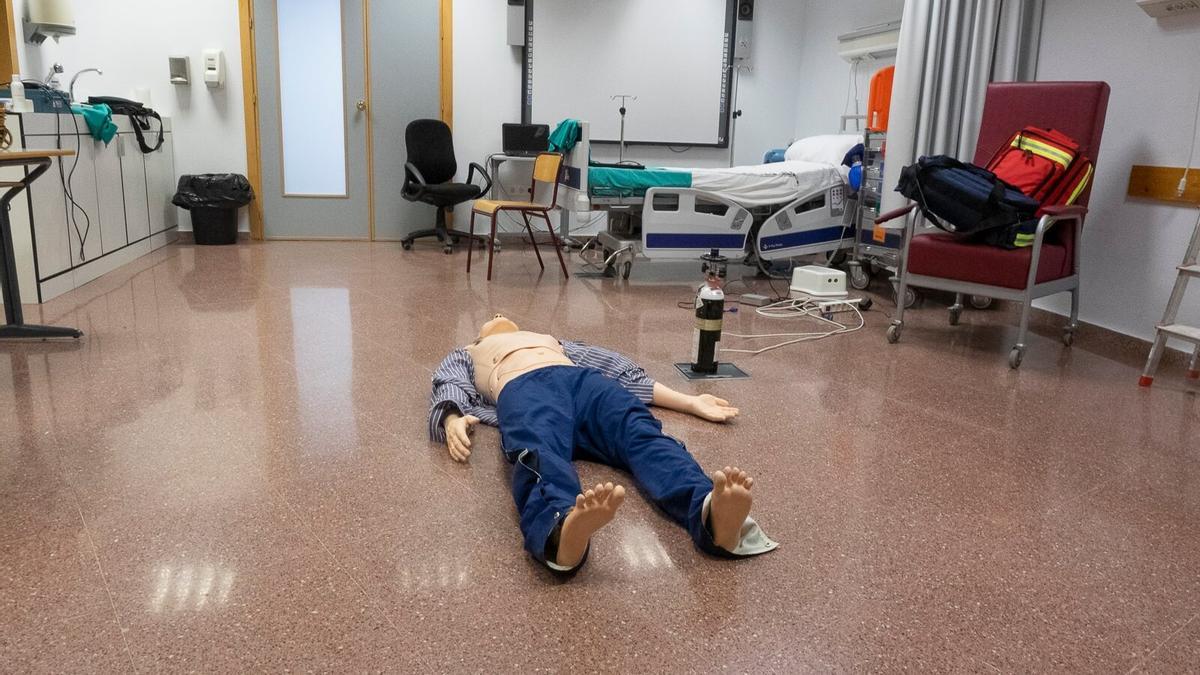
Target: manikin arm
(704, 406)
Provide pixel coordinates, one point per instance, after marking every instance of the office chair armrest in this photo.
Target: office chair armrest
(487, 179)
(414, 182)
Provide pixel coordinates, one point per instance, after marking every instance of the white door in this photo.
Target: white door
(313, 124)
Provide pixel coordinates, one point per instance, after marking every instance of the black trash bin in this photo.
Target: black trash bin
(213, 199)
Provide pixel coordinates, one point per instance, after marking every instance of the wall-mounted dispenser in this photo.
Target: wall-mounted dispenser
(214, 68)
(181, 67)
(48, 18)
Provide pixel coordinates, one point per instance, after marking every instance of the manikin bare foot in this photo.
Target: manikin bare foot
(730, 505)
(593, 510)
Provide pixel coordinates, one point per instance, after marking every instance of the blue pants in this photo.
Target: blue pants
(551, 416)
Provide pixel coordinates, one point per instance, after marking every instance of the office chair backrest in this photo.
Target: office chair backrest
(431, 148)
(1075, 108)
(546, 170)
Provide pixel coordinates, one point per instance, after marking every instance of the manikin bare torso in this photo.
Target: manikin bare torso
(500, 358)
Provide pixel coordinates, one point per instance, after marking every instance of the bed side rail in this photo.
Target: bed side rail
(817, 222)
(685, 223)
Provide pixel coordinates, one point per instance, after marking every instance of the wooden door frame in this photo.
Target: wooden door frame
(250, 97)
(9, 63)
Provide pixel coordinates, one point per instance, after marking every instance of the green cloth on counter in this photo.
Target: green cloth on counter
(616, 182)
(99, 120)
(565, 136)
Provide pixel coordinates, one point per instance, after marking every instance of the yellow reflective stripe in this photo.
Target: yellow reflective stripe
(1043, 150)
(1087, 176)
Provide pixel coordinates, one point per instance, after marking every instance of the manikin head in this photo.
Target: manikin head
(498, 324)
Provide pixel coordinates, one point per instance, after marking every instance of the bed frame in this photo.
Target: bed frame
(685, 223)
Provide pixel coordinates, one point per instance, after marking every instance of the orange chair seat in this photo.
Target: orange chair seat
(490, 206)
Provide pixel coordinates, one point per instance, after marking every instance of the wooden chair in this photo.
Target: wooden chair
(546, 170)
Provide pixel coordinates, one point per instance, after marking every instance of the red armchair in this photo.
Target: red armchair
(1052, 264)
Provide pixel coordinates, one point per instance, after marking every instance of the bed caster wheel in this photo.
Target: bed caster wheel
(955, 315)
(454, 239)
(406, 245)
(626, 269)
(893, 334)
(865, 304)
(859, 277)
(1015, 357)
(447, 249)
(1068, 336)
(980, 302)
(910, 296)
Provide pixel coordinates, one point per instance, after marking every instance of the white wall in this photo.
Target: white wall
(130, 41)
(487, 80)
(1131, 247)
(824, 79)
(487, 87)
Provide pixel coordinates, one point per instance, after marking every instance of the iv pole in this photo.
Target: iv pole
(623, 97)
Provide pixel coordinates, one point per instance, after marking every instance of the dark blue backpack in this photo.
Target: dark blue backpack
(963, 198)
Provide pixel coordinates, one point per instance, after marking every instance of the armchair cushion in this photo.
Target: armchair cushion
(948, 257)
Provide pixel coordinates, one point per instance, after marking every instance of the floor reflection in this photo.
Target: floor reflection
(190, 588)
(323, 347)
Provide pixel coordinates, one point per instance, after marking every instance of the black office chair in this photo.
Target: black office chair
(427, 178)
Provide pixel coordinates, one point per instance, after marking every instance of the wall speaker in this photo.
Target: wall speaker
(516, 23)
(745, 29)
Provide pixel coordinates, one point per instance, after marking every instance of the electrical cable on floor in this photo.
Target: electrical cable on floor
(797, 308)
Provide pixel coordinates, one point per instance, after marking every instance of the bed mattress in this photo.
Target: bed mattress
(757, 185)
(766, 184)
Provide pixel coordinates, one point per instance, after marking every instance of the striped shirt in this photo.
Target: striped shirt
(454, 384)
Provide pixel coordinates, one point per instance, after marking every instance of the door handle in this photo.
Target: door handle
(361, 105)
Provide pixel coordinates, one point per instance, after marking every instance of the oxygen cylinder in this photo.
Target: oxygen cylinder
(710, 310)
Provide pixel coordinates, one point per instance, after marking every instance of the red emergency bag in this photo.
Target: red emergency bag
(1044, 164)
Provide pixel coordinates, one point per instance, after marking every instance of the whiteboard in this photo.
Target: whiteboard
(671, 54)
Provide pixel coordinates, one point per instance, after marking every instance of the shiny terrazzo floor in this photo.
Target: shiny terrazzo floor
(230, 473)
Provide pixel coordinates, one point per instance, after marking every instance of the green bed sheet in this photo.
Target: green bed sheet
(615, 182)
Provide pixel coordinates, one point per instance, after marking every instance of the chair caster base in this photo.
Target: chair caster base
(447, 249)
(1145, 381)
(1015, 357)
(955, 314)
(406, 245)
(893, 333)
(1068, 337)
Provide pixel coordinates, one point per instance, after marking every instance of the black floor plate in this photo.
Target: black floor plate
(725, 371)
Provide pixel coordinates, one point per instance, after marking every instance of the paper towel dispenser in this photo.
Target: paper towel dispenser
(48, 18)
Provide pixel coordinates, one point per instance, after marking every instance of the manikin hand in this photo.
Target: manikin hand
(458, 435)
(713, 409)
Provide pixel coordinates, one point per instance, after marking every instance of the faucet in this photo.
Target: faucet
(51, 80)
(74, 77)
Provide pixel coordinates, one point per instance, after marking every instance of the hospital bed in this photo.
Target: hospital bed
(771, 211)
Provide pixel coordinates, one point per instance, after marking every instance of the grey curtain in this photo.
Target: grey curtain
(949, 51)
